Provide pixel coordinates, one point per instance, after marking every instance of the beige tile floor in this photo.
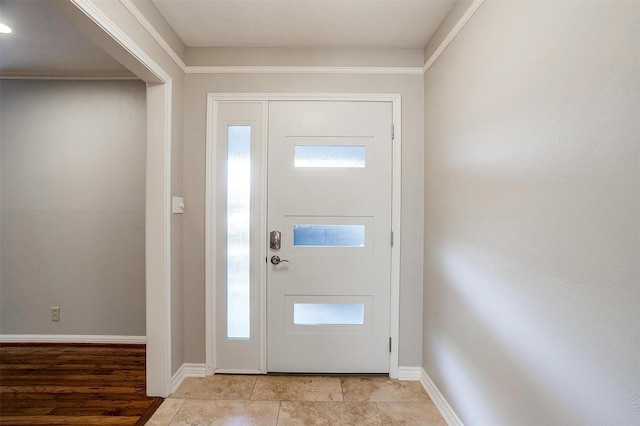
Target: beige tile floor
(297, 400)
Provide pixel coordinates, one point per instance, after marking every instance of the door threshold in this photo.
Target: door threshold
(378, 375)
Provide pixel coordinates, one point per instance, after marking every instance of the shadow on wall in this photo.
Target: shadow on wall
(510, 338)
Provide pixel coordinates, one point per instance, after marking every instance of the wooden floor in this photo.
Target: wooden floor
(53, 384)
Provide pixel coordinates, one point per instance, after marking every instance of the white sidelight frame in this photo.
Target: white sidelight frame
(238, 115)
(212, 208)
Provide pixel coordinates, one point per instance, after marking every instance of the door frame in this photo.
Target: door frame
(212, 207)
(94, 23)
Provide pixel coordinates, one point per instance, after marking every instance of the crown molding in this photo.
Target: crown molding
(53, 76)
(303, 70)
(128, 4)
(216, 69)
(452, 34)
(190, 69)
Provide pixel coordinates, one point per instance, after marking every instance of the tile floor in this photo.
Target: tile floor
(297, 400)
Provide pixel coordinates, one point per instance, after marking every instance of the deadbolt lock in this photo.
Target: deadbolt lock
(275, 240)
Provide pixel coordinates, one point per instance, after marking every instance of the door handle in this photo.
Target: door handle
(276, 260)
(275, 239)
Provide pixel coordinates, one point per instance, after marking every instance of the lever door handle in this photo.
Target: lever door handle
(276, 260)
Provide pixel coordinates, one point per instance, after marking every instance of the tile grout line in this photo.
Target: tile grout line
(177, 411)
(379, 415)
(253, 389)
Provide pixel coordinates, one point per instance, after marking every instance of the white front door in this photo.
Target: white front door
(329, 198)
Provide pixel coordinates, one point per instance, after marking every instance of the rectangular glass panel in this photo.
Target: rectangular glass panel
(328, 313)
(329, 156)
(238, 231)
(328, 235)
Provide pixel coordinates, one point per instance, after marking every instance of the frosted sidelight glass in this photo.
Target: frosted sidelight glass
(238, 231)
(328, 235)
(328, 313)
(329, 156)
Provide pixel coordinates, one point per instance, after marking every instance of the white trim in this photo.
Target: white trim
(438, 399)
(237, 371)
(409, 373)
(264, 151)
(75, 77)
(249, 69)
(210, 211)
(157, 206)
(154, 33)
(270, 97)
(303, 70)
(452, 34)
(396, 215)
(210, 220)
(71, 338)
(100, 19)
(158, 239)
(186, 370)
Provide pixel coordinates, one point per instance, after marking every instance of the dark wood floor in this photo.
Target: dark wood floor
(53, 384)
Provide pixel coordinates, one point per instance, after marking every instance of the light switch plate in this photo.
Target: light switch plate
(177, 205)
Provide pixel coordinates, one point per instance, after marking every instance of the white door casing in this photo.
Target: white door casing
(213, 205)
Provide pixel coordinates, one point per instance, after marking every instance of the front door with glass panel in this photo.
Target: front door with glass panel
(329, 223)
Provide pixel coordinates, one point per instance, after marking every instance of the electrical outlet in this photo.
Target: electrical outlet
(55, 314)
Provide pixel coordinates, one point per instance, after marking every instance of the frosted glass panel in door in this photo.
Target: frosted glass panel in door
(328, 313)
(238, 231)
(329, 235)
(329, 156)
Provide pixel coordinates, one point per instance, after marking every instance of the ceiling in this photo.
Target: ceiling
(44, 43)
(304, 23)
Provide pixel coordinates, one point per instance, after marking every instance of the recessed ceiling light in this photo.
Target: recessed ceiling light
(5, 29)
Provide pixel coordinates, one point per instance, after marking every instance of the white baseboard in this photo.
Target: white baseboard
(438, 399)
(186, 370)
(71, 338)
(409, 373)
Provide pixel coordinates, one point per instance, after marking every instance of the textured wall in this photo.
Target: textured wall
(73, 160)
(532, 207)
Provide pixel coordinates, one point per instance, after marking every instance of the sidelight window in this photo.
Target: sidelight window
(238, 232)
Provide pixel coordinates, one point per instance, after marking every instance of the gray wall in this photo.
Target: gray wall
(411, 89)
(73, 157)
(532, 207)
